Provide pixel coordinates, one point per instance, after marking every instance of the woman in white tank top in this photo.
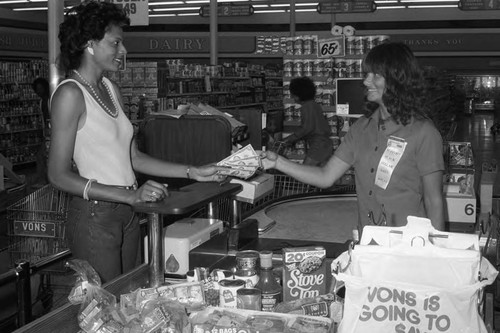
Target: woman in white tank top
(90, 128)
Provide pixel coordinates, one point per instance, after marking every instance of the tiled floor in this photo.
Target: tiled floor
(473, 128)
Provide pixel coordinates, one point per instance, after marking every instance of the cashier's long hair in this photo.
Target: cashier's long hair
(88, 21)
(405, 94)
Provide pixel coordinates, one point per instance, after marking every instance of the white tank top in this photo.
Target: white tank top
(102, 146)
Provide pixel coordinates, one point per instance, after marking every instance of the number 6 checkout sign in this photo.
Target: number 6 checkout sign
(331, 47)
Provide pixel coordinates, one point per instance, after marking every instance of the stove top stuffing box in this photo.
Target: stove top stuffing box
(183, 236)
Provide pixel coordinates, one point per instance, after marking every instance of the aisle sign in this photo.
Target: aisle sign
(331, 47)
(479, 4)
(347, 6)
(137, 10)
(228, 9)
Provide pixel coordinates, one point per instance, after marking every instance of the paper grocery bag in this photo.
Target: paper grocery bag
(403, 280)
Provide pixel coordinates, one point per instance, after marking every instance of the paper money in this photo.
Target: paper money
(243, 163)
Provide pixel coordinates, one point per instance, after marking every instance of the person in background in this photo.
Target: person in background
(41, 87)
(396, 151)
(90, 128)
(314, 128)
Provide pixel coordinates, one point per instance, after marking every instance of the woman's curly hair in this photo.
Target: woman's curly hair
(88, 21)
(303, 87)
(405, 94)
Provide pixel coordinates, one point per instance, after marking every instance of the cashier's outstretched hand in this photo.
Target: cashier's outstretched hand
(207, 173)
(269, 159)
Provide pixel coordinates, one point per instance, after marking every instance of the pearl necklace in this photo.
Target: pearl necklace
(97, 98)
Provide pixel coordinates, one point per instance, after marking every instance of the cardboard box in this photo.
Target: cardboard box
(254, 188)
(304, 272)
(459, 207)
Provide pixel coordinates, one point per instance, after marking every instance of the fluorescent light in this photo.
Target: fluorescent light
(175, 9)
(434, 6)
(29, 9)
(306, 10)
(425, 1)
(270, 11)
(391, 7)
(166, 3)
(197, 1)
(13, 1)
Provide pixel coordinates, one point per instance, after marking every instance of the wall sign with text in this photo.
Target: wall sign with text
(227, 9)
(331, 47)
(137, 10)
(346, 6)
(479, 4)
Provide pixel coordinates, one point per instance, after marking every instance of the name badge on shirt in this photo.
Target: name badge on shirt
(389, 161)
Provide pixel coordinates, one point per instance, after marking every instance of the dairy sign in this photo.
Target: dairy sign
(137, 10)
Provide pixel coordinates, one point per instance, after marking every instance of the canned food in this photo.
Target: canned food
(298, 45)
(249, 299)
(247, 259)
(228, 292)
(298, 67)
(250, 277)
(350, 45)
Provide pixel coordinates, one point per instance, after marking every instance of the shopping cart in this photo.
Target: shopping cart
(37, 225)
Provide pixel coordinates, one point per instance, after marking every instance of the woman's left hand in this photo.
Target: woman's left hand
(208, 173)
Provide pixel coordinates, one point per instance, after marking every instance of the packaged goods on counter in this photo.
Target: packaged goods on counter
(219, 320)
(304, 272)
(329, 305)
(143, 310)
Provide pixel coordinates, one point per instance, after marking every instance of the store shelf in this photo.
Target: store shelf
(20, 114)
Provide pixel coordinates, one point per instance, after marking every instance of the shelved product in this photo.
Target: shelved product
(21, 121)
(139, 88)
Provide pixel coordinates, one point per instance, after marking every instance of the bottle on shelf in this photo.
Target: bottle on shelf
(271, 290)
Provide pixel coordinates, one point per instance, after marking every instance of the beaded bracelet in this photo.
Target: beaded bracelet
(87, 188)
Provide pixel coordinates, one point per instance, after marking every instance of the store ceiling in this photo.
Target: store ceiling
(275, 15)
(192, 7)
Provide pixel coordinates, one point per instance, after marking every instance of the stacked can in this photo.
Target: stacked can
(318, 67)
(298, 67)
(287, 67)
(298, 45)
(308, 67)
(339, 67)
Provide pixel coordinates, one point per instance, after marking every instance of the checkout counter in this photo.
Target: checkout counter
(217, 252)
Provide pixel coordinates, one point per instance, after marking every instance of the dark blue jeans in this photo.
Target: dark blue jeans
(106, 234)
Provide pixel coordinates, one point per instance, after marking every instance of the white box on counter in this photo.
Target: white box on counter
(255, 187)
(182, 236)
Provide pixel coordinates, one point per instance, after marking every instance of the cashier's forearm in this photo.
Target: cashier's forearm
(322, 177)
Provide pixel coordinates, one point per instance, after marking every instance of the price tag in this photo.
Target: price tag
(137, 10)
(331, 47)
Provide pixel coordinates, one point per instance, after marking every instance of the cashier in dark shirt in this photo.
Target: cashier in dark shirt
(314, 129)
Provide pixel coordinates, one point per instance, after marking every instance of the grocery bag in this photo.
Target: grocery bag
(413, 279)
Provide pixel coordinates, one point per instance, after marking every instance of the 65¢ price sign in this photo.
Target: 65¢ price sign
(331, 47)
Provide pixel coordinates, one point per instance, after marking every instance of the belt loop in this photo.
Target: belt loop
(92, 203)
